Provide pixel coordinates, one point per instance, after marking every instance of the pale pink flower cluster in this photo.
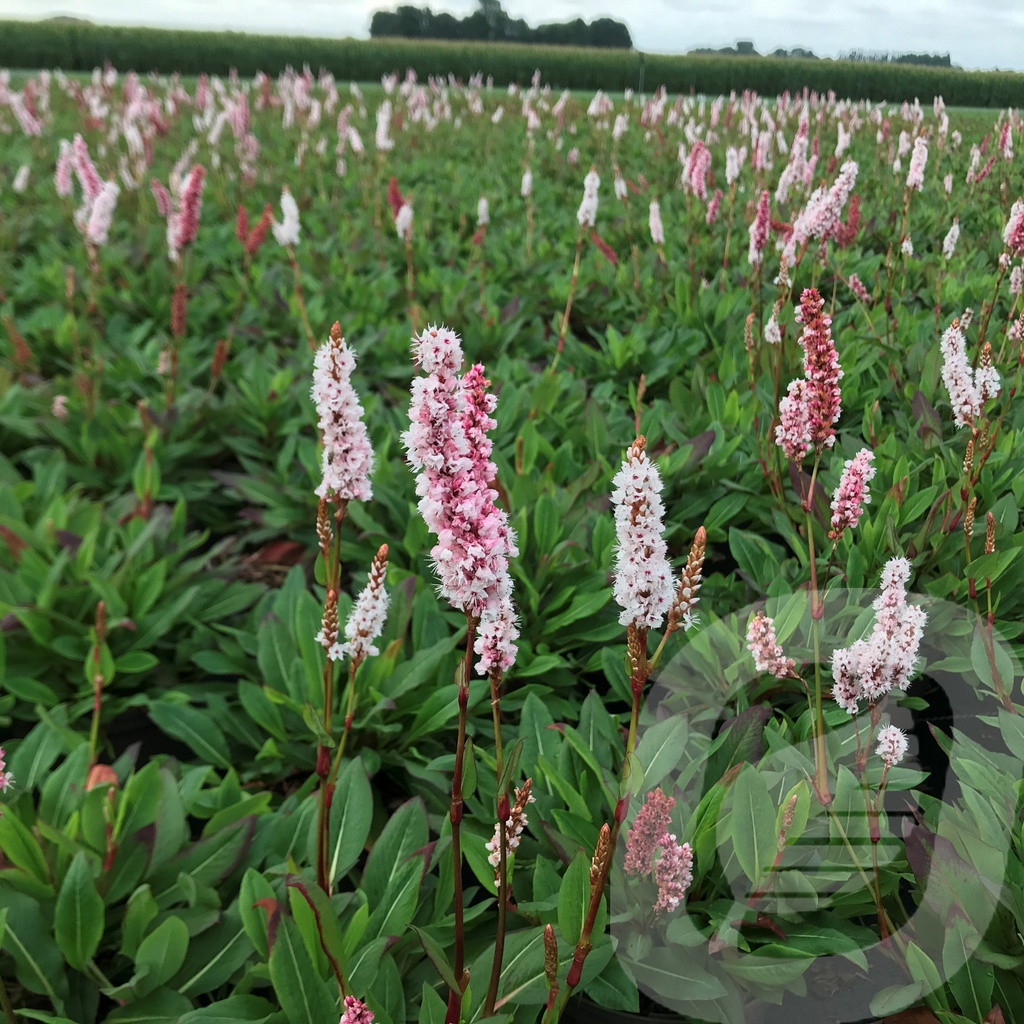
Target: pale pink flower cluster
(870, 667)
(657, 230)
(1017, 280)
(183, 222)
(907, 246)
(483, 212)
(759, 229)
(652, 850)
(20, 182)
(403, 221)
(952, 237)
(698, 168)
(915, 175)
(347, 459)
(1006, 141)
(892, 745)
(85, 170)
(821, 217)
(526, 187)
(369, 613)
(968, 389)
(93, 218)
(812, 405)
(101, 214)
(515, 824)
(6, 778)
(651, 823)
(356, 1012)
(734, 159)
(287, 232)
(947, 184)
(852, 494)
(382, 136)
(1013, 233)
(59, 408)
(673, 872)
(772, 332)
(448, 447)
(858, 289)
(713, 207)
(643, 584)
(767, 652)
(62, 175)
(587, 213)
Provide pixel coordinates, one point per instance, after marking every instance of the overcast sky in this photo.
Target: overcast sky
(976, 33)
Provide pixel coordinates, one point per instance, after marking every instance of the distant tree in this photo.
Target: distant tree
(611, 33)
(384, 23)
(445, 26)
(490, 22)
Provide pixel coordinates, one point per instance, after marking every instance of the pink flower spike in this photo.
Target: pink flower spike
(673, 872)
(852, 493)
(347, 459)
(761, 643)
(793, 434)
(448, 447)
(62, 175)
(356, 1012)
(649, 828)
(654, 221)
(915, 176)
(85, 170)
(102, 214)
(369, 613)
(759, 229)
(191, 201)
(643, 586)
(821, 369)
(162, 197)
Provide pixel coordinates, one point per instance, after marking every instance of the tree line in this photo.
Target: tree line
(490, 22)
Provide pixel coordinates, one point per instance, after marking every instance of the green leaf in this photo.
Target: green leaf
(160, 1007)
(435, 954)
(194, 728)
(923, 970)
(889, 1001)
(78, 915)
(234, 1010)
(511, 766)
(21, 848)
(350, 819)
(753, 825)
(301, 992)
(405, 833)
(38, 962)
(138, 916)
(673, 972)
(970, 980)
(161, 953)
(392, 914)
(574, 899)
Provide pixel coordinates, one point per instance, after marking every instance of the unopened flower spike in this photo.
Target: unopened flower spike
(762, 644)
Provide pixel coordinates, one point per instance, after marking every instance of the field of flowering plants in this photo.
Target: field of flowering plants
(482, 554)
